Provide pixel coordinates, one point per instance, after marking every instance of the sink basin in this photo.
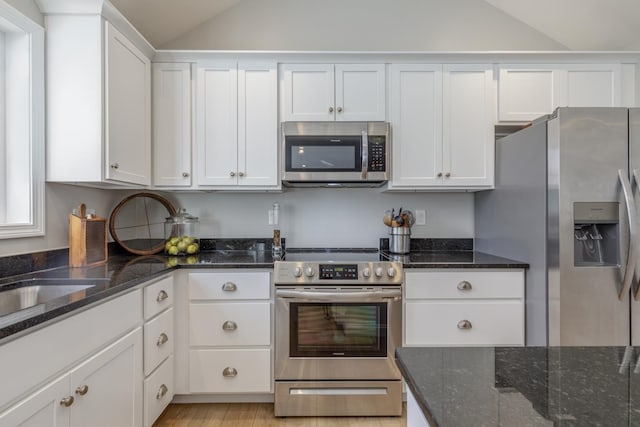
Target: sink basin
(34, 293)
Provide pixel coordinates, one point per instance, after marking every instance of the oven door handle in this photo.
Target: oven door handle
(341, 295)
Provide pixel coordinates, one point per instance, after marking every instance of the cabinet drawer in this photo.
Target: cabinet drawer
(158, 340)
(464, 284)
(229, 286)
(157, 297)
(230, 371)
(158, 391)
(443, 323)
(230, 324)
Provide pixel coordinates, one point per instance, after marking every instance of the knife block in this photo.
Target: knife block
(87, 241)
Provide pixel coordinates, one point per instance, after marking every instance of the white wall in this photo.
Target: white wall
(326, 217)
(381, 25)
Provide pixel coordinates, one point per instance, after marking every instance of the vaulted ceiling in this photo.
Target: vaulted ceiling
(577, 24)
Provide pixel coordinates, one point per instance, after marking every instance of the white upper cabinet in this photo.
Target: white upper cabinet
(98, 103)
(528, 91)
(328, 92)
(172, 124)
(237, 125)
(442, 122)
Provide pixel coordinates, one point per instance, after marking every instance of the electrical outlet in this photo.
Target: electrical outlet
(421, 217)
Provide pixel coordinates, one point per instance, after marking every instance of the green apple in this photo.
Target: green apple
(188, 240)
(173, 250)
(192, 248)
(182, 246)
(174, 240)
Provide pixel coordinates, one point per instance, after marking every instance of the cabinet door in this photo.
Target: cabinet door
(468, 125)
(527, 91)
(308, 92)
(171, 124)
(257, 124)
(360, 92)
(128, 110)
(217, 123)
(416, 123)
(107, 388)
(591, 85)
(42, 408)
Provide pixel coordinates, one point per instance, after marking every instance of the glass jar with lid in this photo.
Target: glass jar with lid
(181, 234)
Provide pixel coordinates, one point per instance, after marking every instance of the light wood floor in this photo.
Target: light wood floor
(260, 415)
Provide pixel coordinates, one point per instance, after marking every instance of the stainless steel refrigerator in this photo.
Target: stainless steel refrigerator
(565, 201)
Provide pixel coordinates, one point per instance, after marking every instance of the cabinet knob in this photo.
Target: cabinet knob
(240, 173)
(331, 109)
(447, 175)
(115, 166)
(464, 324)
(162, 391)
(439, 175)
(66, 401)
(162, 339)
(185, 174)
(464, 286)
(232, 174)
(339, 109)
(229, 372)
(162, 295)
(229, 325)
(82, 390)
(229, 287)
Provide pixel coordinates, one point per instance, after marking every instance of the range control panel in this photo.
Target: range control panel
(338, 271)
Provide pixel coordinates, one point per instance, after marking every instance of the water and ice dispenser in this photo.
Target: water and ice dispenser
(596, 234)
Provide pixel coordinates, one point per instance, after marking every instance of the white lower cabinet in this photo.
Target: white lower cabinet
(105, 390)
(464, 308)
(415, 416)
(229, 348)
(159, 341)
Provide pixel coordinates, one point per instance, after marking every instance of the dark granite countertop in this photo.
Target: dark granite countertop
(455, 259)
(524, 386)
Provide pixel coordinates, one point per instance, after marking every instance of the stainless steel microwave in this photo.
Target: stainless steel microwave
(324, 154)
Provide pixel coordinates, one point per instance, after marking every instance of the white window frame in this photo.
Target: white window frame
(22, 122)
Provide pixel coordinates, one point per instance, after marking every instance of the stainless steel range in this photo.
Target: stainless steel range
(338, 322)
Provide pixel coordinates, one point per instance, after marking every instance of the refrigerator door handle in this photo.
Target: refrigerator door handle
(633, 234)
(636, 285)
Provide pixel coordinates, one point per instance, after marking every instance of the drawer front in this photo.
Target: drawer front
(230, 371)
(464, 323)
(158, 340)
(229, 286)
(158, 391)
(464, 284)
(158, 297)
(230, 324)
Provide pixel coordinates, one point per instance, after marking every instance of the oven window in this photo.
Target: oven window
(338, 329)
(323, 154)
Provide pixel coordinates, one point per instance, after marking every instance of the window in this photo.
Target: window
(21, 125)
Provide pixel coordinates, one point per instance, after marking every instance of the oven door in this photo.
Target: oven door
(345, 334)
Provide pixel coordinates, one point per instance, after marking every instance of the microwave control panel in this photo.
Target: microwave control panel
(377, 153)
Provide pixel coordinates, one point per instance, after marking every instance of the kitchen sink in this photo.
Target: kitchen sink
(28, 297)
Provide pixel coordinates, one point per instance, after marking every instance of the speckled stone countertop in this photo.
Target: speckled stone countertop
(524, 386)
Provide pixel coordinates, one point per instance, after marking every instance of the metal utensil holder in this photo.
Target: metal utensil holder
(400, 240)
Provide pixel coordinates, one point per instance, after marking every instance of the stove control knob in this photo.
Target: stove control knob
(391, 272)
(366, 272)
(297, 272)
(378, 271)
(309, 271)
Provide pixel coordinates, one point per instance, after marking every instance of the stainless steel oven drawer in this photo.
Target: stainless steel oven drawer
(338, 398)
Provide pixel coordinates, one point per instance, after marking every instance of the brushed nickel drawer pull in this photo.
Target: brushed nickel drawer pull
(229, 287)
(464, 286)
(229, 325)
(162, 339)
(66, 401)
(229, 372)
(464, 324)
(162, 295)
(82, 390)
(162, 391)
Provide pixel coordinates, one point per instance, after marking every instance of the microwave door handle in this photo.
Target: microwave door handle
(365, 154)
(633, 235)
(636, 285)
